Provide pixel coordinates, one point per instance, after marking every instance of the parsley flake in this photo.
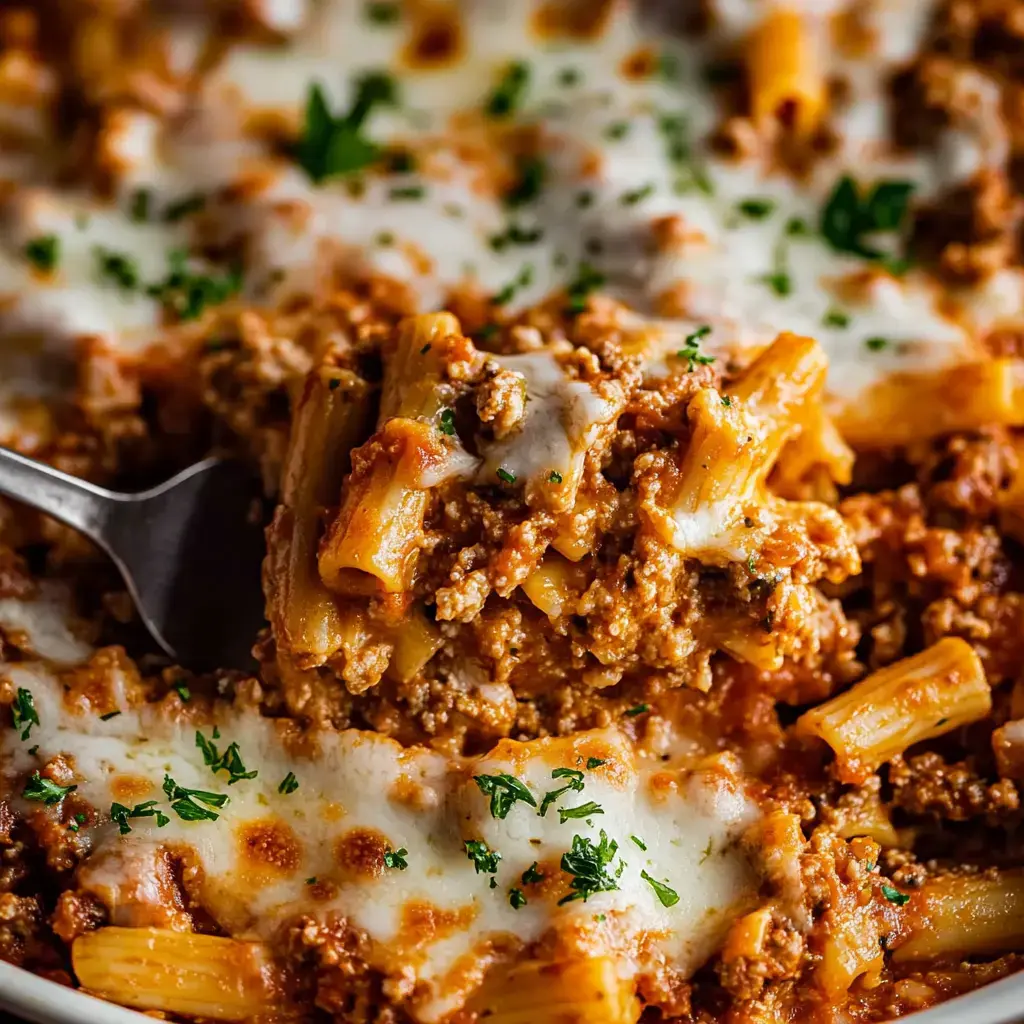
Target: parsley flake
(876, 344)
(23, 712)
(230, 761)
(382, 12)
(288, 784)
(639, 842)
(396, 859)
(895, 896)
(756, 209)
(667, 896)
(554, 477)
(583, 811)
(119, 814)
(484, 859)
(531, 173)
(331, 146)
(43, 252)
(574, 784)
(505, 476)
(504, 790)
(588, 865)
(639, 709)
(509, 92)
(45, 791)
(594, 762)
(182, 690)
(531, 875)
(109, 715)
(516, 898)
(587, 281)
(447, 424)
(183, 801)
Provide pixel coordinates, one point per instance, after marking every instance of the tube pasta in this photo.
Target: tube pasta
(915, 699)
(330, 419)
(904, 408)
(572, 992)
(967, 915)
(371, 544)
(787, 81)
(733, 447)
(178, 972)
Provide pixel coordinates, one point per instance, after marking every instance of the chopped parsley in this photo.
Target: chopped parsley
(588, 865)
(109, 715)
(584, 199)
(554, 477)
(182, 690)
(505, 476)
(509, 92)
(45, 791)
(587, 280)
(583, 811)
(639, 842)
(230, 761)
(532, 875)
(119, 814)
(639, 709)
(188, 293)
(756, 209)
(382, 12)
(484, 859)
(514, 234)
(706, 852)
(522, 280)
(876, 344)
(895, 896)
(836, 318)
(311, 880)
(516, 898)
(396, 859)
(288, 784)
(23, 712)
(184, 801)
(797, 227)
(689, 175)
(574, 784)
(43, 252)
(410, 192)
(504, 790)
(331, 146)
(531, 173)
(847, 218)
(727, 400)
(690, 351)
(594, 762)
(667, 896)
(568, 77)
(447, 424)
(140, 206)
(637, 195)
(617, 130)
(184, 207)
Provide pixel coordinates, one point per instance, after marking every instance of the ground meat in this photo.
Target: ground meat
(501, 401)
(925, 785)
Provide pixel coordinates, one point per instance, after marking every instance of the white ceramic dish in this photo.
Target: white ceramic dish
(43, 1002)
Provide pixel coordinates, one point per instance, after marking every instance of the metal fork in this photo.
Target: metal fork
(189, 550)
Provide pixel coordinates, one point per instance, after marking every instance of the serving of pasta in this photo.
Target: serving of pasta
(639, 389)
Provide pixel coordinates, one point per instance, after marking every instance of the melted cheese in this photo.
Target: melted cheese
(603, 140)
(318, 851)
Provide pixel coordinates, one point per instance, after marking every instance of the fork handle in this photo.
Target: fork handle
(74, 502)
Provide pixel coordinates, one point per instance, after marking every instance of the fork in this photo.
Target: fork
(189, 550)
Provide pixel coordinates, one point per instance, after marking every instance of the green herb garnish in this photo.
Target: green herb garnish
(583, 811)
(504, 790)
(23, 712)
(505, 476)
(183, 801)
(509, 92)
(639, 709)
(45, 791)
(532, 875)
(667, 896)
(588, 865)
(756, 209)
(396, 859)
(484, 859)
(120, 814)
(447, 424)
(288, 784)
(895, 896)
(230, 761)
(43, 252)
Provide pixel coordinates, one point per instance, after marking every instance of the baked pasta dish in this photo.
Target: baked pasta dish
(639, 389)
